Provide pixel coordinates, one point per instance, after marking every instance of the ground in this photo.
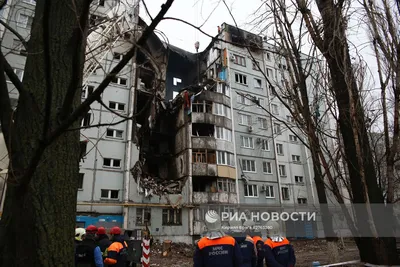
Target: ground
(307, 251)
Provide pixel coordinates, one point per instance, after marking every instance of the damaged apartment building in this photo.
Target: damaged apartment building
(197, 140)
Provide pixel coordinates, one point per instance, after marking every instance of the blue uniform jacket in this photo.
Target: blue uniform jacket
(220, 252)
(248, 250)
(279, 254)
(259, 243)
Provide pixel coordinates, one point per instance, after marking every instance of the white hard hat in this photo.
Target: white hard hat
(273, 228)
(79, 233)
(212, 220)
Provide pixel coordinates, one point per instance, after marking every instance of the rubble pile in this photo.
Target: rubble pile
(178, 249)
(152, 185)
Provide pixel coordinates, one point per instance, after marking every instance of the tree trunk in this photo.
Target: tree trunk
(38, 222)
(336, 52)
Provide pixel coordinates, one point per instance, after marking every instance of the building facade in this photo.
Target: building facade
(201, 141)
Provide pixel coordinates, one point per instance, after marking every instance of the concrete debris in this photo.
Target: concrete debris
(154, 185)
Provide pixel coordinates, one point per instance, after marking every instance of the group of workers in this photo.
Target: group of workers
(93, 248)
(217, 249)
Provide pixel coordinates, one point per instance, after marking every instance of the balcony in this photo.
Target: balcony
(204, 169)
(208, 197)
(198, 117)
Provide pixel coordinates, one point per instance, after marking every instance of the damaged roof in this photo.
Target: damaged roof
(185, 54)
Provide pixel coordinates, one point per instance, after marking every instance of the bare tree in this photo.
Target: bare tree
(329, 33)
(39, 213)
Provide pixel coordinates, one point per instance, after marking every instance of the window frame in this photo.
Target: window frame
(240, 60)
(243, 142)
(295, 157)
(80, 180)
(175, 213)
(241, 79)
(269, 191)
(246, 190)
(117, 105)
(279, 149)
(144, 211)
(267, 163)
(286, 190)
(280, 170)
(109, 194)
(114, 131)
(250, 161)
(240, 120)
(112, 160)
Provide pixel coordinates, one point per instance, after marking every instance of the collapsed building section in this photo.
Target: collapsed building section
(188, 134)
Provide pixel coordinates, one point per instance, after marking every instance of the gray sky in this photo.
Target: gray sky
(213, 13)
(196, 12)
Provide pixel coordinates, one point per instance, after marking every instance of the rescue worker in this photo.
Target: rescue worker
(216, 249)
(91, 229)
(259, 243)
(103, 241)
(87, 253)
(79, 233)
(117, 252)
(247, 246)
(278, 250)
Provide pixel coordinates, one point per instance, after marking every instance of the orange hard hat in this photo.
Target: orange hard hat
(91, 228)
(115, 230)
(101, 231)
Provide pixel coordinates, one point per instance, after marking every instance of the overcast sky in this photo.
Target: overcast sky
(213, 13)
(196, 12)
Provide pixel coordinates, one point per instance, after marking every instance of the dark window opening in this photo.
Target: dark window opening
(80, 180)
(101, 2)
(143, 216)
(171, 217)
(86, 120)
(203, 129)
(83, 148)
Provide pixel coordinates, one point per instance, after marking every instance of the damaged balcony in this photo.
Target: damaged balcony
(204, 162)
(213, 190)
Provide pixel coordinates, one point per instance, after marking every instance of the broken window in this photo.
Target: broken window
(171, 217)
(203, 156)
(143, 216)
(198, 106)
(202, 106)
(202, 129)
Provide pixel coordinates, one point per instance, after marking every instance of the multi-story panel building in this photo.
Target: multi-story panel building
(196, 147)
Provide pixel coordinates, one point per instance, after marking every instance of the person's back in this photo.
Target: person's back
(278, 250)
(117, 252)
(102, 240)
(259, 244)
(248, 250)
(88, 254)
(219, 252)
